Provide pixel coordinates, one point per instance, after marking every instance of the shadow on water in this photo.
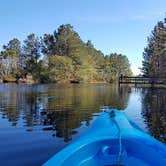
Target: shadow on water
(154, 111)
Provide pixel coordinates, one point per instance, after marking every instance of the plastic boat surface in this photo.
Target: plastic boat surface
(113, 139)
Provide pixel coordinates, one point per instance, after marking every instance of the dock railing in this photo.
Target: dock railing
(142, 80)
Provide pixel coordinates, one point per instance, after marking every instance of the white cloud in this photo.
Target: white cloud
(147, 16)
(108, 18)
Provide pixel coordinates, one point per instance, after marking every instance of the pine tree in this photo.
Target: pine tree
(154, 55)
(10, 57)
(32, 47)
(48, 44)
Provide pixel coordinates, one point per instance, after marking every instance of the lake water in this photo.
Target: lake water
(37, 121)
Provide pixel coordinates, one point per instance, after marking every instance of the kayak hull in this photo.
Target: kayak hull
(112, 140)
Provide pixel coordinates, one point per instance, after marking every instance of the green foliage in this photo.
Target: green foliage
(116, 64)
(60, 68)
(32, 47)
(9, 78)
(12, 49)
(10, 57)
(64, 57)
(48, 44)
(41, 73)
(154, 55)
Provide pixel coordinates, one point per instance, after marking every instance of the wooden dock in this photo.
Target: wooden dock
(142, 80)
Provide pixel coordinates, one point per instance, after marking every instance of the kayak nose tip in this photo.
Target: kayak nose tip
(110, 111)
(107, 109)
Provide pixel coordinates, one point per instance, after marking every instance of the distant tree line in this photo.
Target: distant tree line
(60, 57)
(154, 55)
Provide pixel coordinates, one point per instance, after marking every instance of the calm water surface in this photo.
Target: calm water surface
(37, 121)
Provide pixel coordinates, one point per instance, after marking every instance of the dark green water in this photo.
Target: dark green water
(39, 120)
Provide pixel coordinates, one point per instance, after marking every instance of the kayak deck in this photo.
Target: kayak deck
(113, 139)
(105, 153)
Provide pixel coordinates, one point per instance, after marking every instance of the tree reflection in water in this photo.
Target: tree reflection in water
(154, 111)
(59, 108)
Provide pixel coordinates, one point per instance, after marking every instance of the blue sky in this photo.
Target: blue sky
(120, 26)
